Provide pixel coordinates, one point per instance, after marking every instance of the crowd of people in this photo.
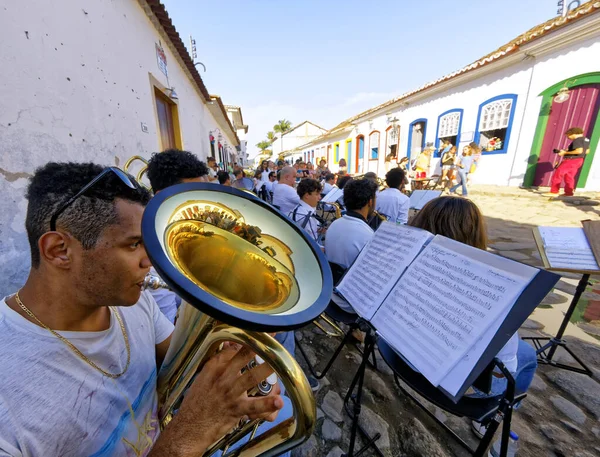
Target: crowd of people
(79, 363)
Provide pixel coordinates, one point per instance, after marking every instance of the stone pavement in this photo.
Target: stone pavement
(561, 414)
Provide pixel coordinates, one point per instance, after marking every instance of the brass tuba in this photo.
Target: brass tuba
(242, 269)
(140, 175)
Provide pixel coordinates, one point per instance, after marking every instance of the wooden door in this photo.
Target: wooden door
(580, 110)
(166, 127)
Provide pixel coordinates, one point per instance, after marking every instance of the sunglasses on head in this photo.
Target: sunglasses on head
(120, 174)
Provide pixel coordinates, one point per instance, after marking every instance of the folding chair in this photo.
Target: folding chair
(491, 411)
(333, 314)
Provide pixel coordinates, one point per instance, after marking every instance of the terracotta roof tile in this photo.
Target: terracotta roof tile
(159, 10)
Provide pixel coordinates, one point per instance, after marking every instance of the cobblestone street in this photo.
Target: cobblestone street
(560, 416)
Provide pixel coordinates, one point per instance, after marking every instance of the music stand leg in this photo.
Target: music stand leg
(358, 383)
(546, 352)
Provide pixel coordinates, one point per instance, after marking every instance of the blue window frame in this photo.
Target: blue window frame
(349, 155)
(449, 127)
(336, 152)
(494, 123)
(410, 136)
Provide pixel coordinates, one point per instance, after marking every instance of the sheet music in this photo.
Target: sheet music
(380, 264)
(419, 198)
(333, 195)
(445, 302)
(568, 247)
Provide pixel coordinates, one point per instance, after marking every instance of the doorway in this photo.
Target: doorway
(580, 110)
(360, 153)
(416, 138)
(166, 112)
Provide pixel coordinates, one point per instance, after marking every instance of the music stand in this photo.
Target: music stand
(545, 352)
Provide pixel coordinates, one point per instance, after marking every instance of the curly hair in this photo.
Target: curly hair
(170, 167)
(358, 193)
(55, 183)
(307, 186)
(395, 178)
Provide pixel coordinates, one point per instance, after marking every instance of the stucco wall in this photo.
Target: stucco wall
(76, 86)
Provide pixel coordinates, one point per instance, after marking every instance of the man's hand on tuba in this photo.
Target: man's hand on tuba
(215, 403)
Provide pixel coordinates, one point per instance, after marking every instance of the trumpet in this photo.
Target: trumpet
(237, 282)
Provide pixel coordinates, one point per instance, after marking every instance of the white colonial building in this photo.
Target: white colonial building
(506, 102)
(101, 82)
(286, 145)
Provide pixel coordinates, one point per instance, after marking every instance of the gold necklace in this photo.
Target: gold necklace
(72, 346)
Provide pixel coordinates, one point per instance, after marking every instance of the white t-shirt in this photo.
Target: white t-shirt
(393, 204)
(345, 239)
(304, 217)
(53, 404)
(285, 197)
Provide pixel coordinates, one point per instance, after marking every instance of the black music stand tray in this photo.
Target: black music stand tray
(491, 411)
(546, 351)
(356, 399)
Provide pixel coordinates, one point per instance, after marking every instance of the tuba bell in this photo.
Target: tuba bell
(242, 269)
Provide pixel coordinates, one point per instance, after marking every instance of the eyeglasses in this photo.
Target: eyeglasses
(120, 174)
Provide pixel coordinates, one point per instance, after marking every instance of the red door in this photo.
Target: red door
(580, 110)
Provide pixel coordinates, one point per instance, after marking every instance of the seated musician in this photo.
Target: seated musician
(166, 169)
(77, 376)
(285, 197)
(329, 183)
(304, 214)
(391, 202)
(347, 235)
(461, 220)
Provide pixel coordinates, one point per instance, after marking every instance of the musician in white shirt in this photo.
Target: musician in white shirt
(349, 234)
(391, 202)
(309, 191)
(284, 195)
(329, 183)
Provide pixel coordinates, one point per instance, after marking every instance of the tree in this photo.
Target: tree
(271, 136)
(263, 145)
(282, 126)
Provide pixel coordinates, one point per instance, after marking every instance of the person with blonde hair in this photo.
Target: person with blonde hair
(461, 220)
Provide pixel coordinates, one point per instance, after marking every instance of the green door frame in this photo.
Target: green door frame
(540, 130)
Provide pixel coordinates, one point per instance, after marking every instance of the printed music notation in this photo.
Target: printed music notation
(379, 265)
(568, 248)
(443, 306)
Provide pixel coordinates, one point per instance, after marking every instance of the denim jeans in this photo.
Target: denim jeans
(526, 366)
(462, 172)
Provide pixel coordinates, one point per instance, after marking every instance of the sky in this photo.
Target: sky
(327, 60)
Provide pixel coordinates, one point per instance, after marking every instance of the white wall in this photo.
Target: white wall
(77, 87)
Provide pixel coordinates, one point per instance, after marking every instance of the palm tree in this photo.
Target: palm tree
(271, 136)
(282, 126)
(263, 145)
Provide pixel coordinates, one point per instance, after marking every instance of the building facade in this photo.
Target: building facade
(286, 145)
(98, 82)
(506, 102)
